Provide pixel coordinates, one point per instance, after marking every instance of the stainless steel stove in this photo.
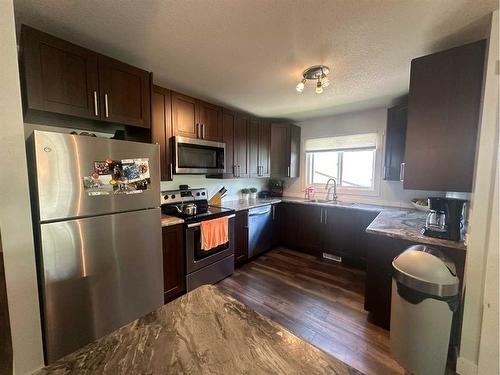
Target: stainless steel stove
(203, 267)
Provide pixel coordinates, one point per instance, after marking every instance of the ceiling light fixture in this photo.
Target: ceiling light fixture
(317, 73)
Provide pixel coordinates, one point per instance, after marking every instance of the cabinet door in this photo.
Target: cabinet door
(280, 161)
(184, 116)
(287, 224)
(240, 144)
(210, 121)
(310, 230)
(253, 147)
(340, 231)
(241, 237)
(265, 148)
(228, 124)
(395, 141)
(174, 263)
(443, 117)
(125, 93)
(59, 76)
(294, 156)
(161, 128)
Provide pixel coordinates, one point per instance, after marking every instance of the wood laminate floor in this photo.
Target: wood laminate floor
(319, 301)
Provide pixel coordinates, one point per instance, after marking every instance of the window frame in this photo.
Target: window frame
(374, 190)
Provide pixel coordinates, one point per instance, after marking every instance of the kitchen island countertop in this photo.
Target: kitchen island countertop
(202, 332)
(407, 225)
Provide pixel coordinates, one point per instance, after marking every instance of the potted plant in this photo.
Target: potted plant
(253, 193)
(245, 194)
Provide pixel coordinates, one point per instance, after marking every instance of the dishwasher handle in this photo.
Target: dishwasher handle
(258, 213)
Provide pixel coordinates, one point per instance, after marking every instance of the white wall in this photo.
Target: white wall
(480, 224)
(375, 120)
(213, 185)
(15, 212)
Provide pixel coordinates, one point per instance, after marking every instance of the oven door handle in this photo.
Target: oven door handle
(193, 225)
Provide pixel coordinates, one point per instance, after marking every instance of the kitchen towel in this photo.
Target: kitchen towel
(214, 233)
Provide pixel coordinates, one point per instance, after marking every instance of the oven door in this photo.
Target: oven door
(198, 258)
(198, 156)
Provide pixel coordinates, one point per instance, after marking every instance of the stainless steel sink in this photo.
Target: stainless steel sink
(330, 201)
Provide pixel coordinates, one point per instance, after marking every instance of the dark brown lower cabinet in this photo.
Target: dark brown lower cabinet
(316, 230)
(241, 237)
(174, 262)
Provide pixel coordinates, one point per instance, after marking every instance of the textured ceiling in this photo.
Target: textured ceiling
(249, 54)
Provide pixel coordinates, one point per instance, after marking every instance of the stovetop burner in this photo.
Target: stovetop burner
(172, 198)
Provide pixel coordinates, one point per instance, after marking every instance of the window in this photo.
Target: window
(348, 159)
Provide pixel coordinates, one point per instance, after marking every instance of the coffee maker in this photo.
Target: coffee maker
(446, 218)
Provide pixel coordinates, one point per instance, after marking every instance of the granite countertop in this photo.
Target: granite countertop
(167, 220)
(407, 225)
(202, 332)
(239, 205)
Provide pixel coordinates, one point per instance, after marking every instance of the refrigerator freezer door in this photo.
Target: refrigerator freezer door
(63, 160)
(98, 274)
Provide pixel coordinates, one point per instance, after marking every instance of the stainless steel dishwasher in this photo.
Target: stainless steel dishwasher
(260, 229)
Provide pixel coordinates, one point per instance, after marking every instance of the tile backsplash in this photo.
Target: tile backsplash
(213, 185)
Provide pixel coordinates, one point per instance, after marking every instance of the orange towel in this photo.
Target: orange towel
(214, 233)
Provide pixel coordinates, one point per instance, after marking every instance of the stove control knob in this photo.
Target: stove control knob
(173, 196)
(165, 197)
(198, 194)
(203, 193)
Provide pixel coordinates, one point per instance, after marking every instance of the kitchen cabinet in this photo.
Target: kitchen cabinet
(443, 116)
(285, 153)
(264, 149)
(241, 237)
(338, 231)
(310, 231)
(259, 146)
(174, 262)
(194, 118)
(241, 135)
(161, 128)
(395, 141)
(235, 137)
(61, 77)
(253, 147)
(124, 93)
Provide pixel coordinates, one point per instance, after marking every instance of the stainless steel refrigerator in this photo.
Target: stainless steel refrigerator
(98, 235)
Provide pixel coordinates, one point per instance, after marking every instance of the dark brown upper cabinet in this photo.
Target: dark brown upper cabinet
(194, 118)
(241, 135)
(443, 116)
(395, 141)
(161, 128)
(61, 77)
(124, 93)
(259, 145)
(285, 153)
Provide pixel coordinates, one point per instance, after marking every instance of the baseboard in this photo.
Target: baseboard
(466, 367)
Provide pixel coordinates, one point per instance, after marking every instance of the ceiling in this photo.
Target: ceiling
(249, 54)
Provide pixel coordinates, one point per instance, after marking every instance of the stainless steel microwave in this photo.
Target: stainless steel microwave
(198, 156)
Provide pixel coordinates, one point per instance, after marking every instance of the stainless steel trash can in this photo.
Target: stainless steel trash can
(424, 299)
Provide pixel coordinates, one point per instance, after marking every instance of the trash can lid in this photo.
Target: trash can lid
(426, 270)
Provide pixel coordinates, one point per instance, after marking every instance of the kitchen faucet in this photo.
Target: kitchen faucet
(329, 188)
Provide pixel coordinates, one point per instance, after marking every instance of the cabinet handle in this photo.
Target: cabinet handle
(326, 217)
(288, 171)
(197, 130)
(321, 216)
(171, 170)
(402, 172)
(203, 131)
(274, 211)
(96, 109)
(106, 109)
